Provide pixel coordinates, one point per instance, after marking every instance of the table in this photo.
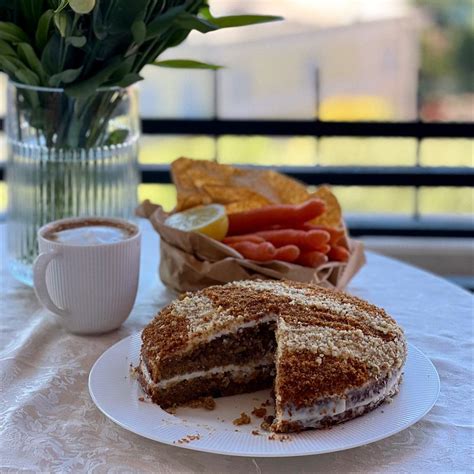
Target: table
(49, 423)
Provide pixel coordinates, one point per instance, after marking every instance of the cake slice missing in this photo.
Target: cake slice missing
(330, 357)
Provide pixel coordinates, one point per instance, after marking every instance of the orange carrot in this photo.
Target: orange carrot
(305, 240)
(339, 254)
(280, 214)
(233, 239)
(311, 259)
(336, 234)
(260, 252)
(288, 253)
(325, 249)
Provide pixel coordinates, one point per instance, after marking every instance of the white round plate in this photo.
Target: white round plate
(117, 394)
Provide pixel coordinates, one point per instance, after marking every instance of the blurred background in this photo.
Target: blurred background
(339, 61)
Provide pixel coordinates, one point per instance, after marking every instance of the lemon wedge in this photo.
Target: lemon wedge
(210, 220)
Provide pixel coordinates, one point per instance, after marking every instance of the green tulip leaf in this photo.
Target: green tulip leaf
(27, 77)
(188, 21)
(28, 56)
(185, 64)
(76, 41)
(129, 79)
(139, 31)
(6, 49)
(236, 20)
(62, 5)
(162, 22)
(243, 20)
(90, 85)
(65, 77)
(31, 11)
(10, 64)
(61, 22)
(43, 29)
(50, 59)
(117, 137)
(12, 33)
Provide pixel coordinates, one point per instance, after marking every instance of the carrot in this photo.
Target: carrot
(305, 240)
(288, 253)
(325, 249)
(336, 234)
(279, 214)
(233, 239)
(339, 254)
(261, 252)
(311, 259)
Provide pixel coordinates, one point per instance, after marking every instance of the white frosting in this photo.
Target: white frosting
(335, 406)
(235, 370)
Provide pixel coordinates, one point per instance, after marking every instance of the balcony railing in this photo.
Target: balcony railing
(413, 176)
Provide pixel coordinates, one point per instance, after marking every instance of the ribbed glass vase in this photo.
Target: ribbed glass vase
(67, 157)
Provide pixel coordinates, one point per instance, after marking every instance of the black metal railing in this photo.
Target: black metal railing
(352, 175)
(413, 176)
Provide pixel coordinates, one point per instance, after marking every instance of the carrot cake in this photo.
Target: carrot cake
(329, 356)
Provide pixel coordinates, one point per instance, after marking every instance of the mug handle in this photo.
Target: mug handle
(39, 280)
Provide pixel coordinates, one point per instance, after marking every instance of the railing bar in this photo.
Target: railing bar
(347, 175)
(215, 92)
(372, 227)
(314, 128)
(362, 176)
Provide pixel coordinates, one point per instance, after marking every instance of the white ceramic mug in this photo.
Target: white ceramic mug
(91, 287)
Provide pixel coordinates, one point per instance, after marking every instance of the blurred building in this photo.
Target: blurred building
(360, 65)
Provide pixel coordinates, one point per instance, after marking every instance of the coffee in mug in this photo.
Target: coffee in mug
(90, 232)
(87, 272)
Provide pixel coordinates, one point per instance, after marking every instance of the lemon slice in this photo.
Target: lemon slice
(210, 220)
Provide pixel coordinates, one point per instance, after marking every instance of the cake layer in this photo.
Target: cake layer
(247, 344)
(286, 426)
(217, 382)
(329, 411)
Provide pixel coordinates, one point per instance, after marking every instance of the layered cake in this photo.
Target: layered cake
(329, 356)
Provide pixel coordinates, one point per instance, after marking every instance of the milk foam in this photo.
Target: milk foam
(90, 235)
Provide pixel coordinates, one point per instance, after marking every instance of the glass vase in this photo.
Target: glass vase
(67, 157)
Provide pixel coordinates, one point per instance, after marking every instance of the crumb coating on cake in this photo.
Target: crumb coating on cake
(327, 341)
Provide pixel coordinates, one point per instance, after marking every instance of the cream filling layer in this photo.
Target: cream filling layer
(337, 405)
(235, 370)
(271, 318)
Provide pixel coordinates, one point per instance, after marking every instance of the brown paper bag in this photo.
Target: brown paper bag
(190, 261)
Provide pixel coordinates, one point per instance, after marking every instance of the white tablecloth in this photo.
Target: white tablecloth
(49, 422)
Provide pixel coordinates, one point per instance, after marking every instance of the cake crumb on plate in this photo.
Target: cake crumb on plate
(243, 419)
(259, 412)
(277, 437)
(266, 423)
(204, 402)
(188, 438)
